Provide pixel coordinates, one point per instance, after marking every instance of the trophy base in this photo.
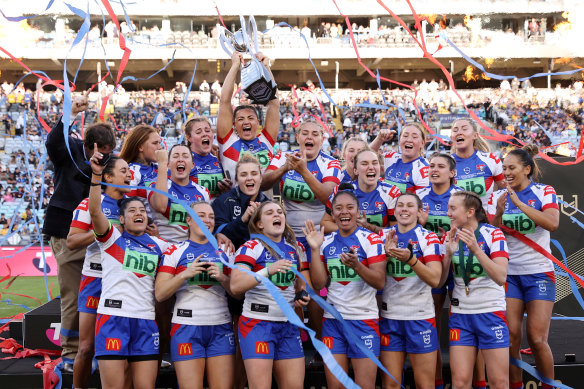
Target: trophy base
(261, 91)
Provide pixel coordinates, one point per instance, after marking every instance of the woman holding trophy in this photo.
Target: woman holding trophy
(237, 129)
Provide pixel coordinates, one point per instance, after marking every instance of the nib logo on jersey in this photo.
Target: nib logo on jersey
(476, 270)
(341, 273)
(140, 262)
(519, 222)
(296, 190)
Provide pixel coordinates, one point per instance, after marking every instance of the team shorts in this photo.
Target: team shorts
(335, 338)
(89, 294)
(448, 285)
(119, 337)
(411, 336)
(529, 287)
(192, 342)
(481, 330)
(264, 339)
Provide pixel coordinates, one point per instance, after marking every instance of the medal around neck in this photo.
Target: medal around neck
(256, 80)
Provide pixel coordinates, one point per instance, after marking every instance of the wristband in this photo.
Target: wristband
(415, 263)
(97, 174)
(95, 184)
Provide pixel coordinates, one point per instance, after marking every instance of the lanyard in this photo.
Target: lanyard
(466, 263)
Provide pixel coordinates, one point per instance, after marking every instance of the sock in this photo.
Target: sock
(516, 385)
(439, 384)
(546, 386)
(479, 384)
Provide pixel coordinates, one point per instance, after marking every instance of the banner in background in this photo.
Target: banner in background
(28, 262)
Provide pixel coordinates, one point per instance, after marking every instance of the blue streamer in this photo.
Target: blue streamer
(328, 308)
(531, 370)
(499, 77)
(9, 302)
(573, 285)
(19, 18)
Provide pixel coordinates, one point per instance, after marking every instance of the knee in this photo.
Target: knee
(460, 380)
(537, 341)
(500, 381)
(86, 350)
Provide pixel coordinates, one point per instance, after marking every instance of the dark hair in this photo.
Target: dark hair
(125, 201)
(472, 200)
(526, 156)
(418, 201)
(100, 133)
(177, 145)
(242, 107)
(451, 163)
(345, 188)
(109, 168)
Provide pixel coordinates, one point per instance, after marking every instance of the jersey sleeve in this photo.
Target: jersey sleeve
(302, 261)
(393, 194)
(169, 262)
(224, 140)
(249, 253)
(550, 199)
(206, 194)
(329, 204)
(420, 178)
(496, 167)
(136, 181)
(498, 244)
(109, 238)
(374, 249)
(277, 162)
(332, 172)
(432, 250)
(491, 208)
(268, 140)
(81, 218)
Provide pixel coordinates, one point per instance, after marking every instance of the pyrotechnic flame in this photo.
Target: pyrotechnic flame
(485, 77)
(489, 61)
(431, 18)
(467, 19)
(18, 34)
(469, 75)
(443, 22)
(563, 60)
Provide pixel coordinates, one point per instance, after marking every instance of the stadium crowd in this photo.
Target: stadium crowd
(540, 116)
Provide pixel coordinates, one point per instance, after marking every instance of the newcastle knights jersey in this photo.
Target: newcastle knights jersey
(232, 147)
(407, 176)
(207, 172)
(478, 173)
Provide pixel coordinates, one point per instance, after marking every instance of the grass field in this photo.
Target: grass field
(29, 286)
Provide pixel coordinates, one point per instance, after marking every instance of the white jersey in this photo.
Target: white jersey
(407, 176)
(405, 295)
(232, 147)
(201, 300)
(82, 220)
(348, 293)
(522, 258)
(484, 294)
(129, 268)
(258, 303)
(172, 224)
(478, 173)
(299, 200)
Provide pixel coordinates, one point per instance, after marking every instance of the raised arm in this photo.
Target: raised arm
(158, 201)
(272, 123)
(98, 219)
(225, 115)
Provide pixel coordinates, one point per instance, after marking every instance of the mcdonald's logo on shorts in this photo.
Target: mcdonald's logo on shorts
(328, 342)
(262, 348)
(113, 344)
(454, 335)
(92, 302)
(185, 349)
(384, 339)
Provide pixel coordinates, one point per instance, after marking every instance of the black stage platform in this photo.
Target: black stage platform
(565, 338)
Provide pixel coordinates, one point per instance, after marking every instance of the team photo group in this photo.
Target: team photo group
(174, 248)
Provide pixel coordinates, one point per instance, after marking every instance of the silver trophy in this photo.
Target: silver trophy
(256, 80)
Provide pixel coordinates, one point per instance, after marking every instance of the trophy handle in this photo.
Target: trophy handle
(254, 32)
(226, 42)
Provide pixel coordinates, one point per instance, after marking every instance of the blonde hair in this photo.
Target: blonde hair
(288, 234)
(479, 143)
(188, 128)
(246, 157)
(420, 128)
